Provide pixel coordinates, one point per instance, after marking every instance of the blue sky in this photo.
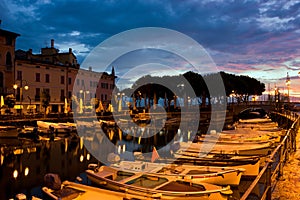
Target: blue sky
(250, 37)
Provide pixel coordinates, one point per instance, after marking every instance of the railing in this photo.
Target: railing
(273, 168)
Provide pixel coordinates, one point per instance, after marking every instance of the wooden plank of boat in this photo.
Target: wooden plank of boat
(71, 190)
(195, 174)
(255, 120)
(148, 185)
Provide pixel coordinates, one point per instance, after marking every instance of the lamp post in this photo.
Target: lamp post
(288, 83)
(21, 86)
(120, 95)
(181, 88)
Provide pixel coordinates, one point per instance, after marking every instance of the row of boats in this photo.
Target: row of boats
(206, 168)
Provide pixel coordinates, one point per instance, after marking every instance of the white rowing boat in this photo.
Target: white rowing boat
(57, 127)
(195, 174)
(163, 187)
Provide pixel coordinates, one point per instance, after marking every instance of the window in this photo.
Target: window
(37, 77)
(77, 81)
(37, 94)
(91, 83)
(9, 40)
(8, 59)
(62, 95)
(47, 78)
(19, 75)
(82, 82)
(69, 94)
(70, 80)
(62, 79)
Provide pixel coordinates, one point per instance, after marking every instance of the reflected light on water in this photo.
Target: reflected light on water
(81, 142)
(81, 158)
(15, 173)
(26, 172)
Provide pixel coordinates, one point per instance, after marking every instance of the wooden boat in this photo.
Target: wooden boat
(246, 148)
(195, 174)
(242, 136)
(251, 164)
(57, 127)
(162, 187)
(8, 132)
(71, 190)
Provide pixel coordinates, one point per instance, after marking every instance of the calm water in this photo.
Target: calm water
(24, 164)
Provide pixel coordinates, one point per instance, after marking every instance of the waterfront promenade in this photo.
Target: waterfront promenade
(288, 187)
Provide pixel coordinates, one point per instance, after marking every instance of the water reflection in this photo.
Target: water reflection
(24, 163)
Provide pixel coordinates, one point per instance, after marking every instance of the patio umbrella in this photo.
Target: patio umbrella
(66, 106)
(110, 108)
(100, 106)
(2, 102)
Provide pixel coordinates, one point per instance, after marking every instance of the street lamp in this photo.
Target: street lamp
(181, 88)
(26, 87)
(288, 83)
(120, 101)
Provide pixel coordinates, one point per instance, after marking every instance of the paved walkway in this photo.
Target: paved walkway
(289, 187)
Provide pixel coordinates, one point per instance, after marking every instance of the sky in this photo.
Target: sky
(258, 38)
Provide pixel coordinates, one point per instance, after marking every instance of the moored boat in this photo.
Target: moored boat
(246, 148)
(195, 174)
(57, 127)
(8, 132)
(70, 190)
(163, 187)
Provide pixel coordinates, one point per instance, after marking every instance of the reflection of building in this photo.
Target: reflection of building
(57, 73)
(7, 56)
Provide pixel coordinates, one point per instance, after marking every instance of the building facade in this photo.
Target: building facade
(56, 78)
(7, 56)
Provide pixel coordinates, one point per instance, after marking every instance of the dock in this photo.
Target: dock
(288, 186)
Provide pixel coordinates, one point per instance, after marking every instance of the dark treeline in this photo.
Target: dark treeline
(153, 87)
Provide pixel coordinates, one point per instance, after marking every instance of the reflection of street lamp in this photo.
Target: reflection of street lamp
(84, 97)
(181, 88)
(288, 83)
(120, 95)
(26, 87)
(232, 96)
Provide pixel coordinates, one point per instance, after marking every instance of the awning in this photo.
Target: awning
(31, 107)
(18, 107)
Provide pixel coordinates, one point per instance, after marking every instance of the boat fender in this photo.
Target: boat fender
(227, 191)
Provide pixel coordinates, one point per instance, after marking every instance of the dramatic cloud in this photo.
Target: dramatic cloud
(257, 38)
